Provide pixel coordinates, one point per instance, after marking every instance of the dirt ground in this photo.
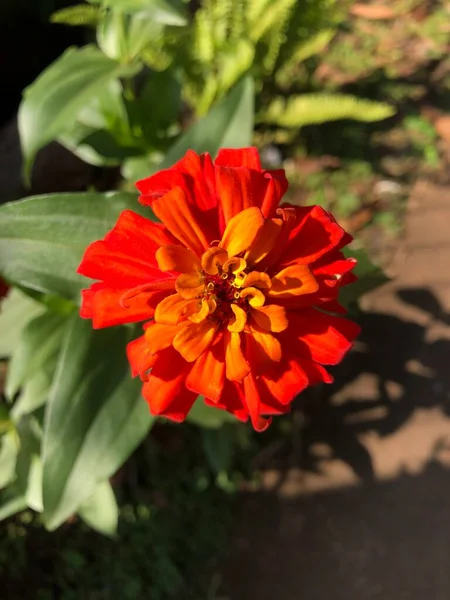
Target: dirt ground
(363, 510)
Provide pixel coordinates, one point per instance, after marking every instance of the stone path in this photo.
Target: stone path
(363, 511)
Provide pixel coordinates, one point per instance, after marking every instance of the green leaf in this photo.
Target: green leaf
(40, 342)
(43, 238)
(159, 104)
(29, 464)
(95, 418)
(53, 101)
(96, 147)
(309, 109)
(207, 416)
(15, 312)
(80, 14)
(35, 390)
(13, 504)
(369, 277)
(166, 12)
(9, 449)
(229, 124)
(219, 445)
(100, 510)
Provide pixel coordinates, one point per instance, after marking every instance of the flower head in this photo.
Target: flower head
(236, 290)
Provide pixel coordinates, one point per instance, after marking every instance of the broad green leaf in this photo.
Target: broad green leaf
(159, 104)
(96, 147)
(95, 418)
(100, 510)
(40, 342)
(140, 167)
(12, 504)
(219, 447)
(111, 35)
(166, 12)
(35, 390)
(15, 312)
(229, 124)
(43, 238)
(9, 449)
(53, 101)
(369, 277)
(310, 109)
(29, 464)
(207, 416)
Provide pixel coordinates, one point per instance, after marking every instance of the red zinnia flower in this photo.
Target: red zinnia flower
(236, 288)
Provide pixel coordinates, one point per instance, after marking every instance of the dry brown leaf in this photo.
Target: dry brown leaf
(372, 11)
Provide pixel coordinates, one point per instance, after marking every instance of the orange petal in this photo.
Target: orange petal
(242, 230)
(207, 376)
(251, 397)
(258, 279)
(190, 285)
(159, 336)
(139, 356)
(207, 306)
(271, 317)
(236, 365)
(265, 242)
(171, 310)
(263, 349)
(177, 258)
(235, 265)
(294, 280)
(193, 339)
(184, 220)
(213, 258)
(240, 319)
(255, 297)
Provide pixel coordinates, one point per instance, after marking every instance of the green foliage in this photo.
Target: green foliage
(309, 109)
(78, 15)
(42, 239)
(74, 79)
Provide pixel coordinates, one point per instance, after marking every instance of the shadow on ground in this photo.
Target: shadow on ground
(377, 449)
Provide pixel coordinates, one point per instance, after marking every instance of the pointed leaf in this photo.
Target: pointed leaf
(229, 124)
(100, 510)
(15, 312)
(95, 418)
(43, 238)
(53, 101)
(40, 342)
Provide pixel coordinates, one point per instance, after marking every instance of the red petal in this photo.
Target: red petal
(241, 157)
(251, 397)
(195, 175)
(286, 383)
(324, 338)
(139, 356)
(103, 305)
(276, 186)
(184, 220)
(230, 400)
(314, 234)
(126, 256)
(165, 389)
